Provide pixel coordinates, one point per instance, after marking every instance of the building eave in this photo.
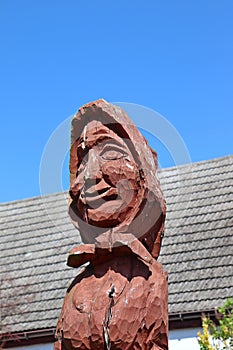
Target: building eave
(177, 321)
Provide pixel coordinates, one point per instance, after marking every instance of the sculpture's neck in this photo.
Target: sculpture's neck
(127, 244)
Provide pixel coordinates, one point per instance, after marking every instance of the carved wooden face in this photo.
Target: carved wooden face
(106, 187)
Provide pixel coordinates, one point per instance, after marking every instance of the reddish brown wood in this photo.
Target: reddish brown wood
(119, 301)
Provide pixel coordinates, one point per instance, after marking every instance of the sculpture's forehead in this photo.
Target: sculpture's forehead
(95, 132)
(95, 127)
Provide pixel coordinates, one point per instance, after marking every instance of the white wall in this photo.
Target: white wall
(184, 339)
(35, 347)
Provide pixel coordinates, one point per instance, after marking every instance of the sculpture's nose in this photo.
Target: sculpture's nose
(92, 171)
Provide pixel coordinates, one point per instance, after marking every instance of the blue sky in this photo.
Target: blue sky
(174, 57)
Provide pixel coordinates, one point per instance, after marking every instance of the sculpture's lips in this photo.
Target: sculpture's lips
(94, 196)
(96, 190)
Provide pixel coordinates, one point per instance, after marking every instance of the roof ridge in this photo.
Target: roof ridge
(34, 198)
(198, 162)
(159, 170)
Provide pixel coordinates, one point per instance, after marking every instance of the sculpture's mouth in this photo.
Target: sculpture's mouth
(98, 194)
(95, 198)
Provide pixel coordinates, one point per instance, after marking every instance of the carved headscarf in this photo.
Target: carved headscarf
(146, 219)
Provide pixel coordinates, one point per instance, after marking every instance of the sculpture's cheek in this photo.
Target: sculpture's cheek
(118, 170)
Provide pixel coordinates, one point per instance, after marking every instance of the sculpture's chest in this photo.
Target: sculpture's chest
(111, 304)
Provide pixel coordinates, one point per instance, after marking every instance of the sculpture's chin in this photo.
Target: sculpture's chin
(108, 214)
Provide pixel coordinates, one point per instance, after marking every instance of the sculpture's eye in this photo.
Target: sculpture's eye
(112, 153)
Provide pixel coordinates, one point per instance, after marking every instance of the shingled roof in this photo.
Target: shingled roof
(36, 236)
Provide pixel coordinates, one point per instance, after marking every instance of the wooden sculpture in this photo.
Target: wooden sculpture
(118, 300)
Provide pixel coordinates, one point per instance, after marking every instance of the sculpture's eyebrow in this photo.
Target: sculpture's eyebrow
(85, 145)
(111, 141)
(106, 138)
